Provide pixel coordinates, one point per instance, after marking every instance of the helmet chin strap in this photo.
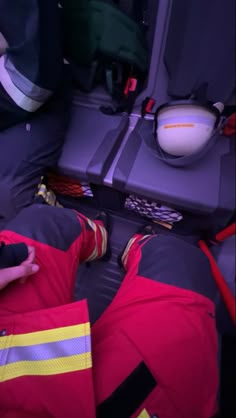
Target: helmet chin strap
(188, 159)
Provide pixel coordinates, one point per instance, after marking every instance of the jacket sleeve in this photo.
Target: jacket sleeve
(31, 68)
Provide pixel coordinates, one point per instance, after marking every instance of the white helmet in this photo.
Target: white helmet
(184, 128)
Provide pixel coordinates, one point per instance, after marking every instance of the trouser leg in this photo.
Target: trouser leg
(63, 239)
(170, 260)
(156, 344)
(27, 151)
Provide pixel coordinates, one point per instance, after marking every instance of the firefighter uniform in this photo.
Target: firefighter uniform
(153, 351)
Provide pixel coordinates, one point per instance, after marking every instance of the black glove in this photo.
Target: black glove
(12, 255)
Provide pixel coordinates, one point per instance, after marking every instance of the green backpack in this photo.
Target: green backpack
(106, 45)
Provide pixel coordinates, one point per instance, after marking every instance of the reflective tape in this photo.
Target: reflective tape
(93, 256)
(49, 352)
(24, 102)
(180, 125)
(27, 87)
(145, 237)
(92, 224)
(144, 414)
(187, 119)
(41, 337)
(129, 245)
(96, 253)
(104, 239)
(46, 368)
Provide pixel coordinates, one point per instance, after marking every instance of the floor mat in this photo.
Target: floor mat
(100, 281)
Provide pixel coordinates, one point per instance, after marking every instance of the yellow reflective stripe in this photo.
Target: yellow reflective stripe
(144, 414)
(130, 243)
(92, 224)
(46, 367)
(104, 239)
(93, 256)
(48, 336)
(145, 237)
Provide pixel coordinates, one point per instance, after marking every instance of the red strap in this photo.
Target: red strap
(149, 105)
(224, 290)
(226, 233)
(131, 85)
(230, 127)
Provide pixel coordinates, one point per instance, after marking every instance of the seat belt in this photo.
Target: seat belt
(226, 294)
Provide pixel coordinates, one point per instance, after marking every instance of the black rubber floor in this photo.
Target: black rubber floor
(100, 281)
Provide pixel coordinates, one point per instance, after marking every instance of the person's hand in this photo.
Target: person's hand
(21, 272)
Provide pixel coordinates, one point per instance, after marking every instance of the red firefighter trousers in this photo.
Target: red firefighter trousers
(154, 349)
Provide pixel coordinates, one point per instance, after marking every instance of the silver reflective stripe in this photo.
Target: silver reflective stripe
(92, 224)
(46, 351)
(23, 101)
(26, 86)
